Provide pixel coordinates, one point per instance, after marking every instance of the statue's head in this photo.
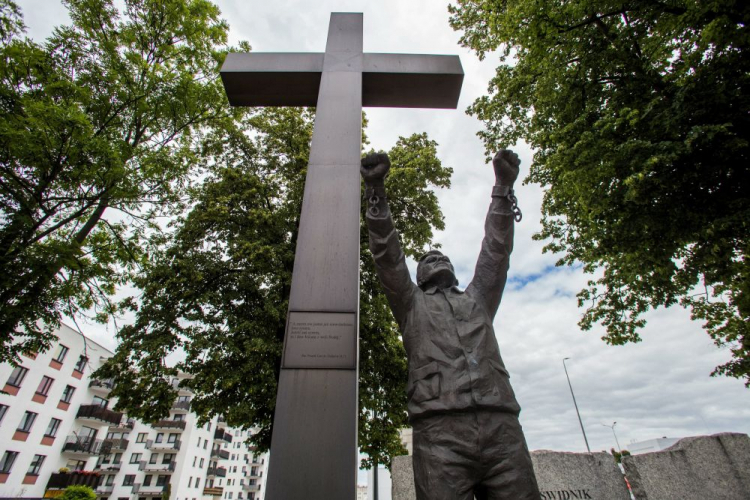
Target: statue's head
(436, 269)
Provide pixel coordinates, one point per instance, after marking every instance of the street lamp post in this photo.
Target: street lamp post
(576, 405)
(615, 434)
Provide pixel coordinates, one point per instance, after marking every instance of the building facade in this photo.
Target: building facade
(57, 429)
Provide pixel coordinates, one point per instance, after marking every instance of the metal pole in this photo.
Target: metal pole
(615, 434)
(576, 405)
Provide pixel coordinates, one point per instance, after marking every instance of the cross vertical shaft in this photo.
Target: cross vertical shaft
(314, 454)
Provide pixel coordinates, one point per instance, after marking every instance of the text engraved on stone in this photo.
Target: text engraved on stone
(566, 494)
(321, 340)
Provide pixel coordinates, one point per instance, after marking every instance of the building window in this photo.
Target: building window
(178, 417)
(67, 394)
(76, 464)
(44, 385)
(60, 354)
(100, 402)
(230, 495)
(54, 425)
(167, 458)
(153, 458)
(142, 436)
(195, 459)
(159, 437)
(172, 438)
(201, 464)
(117, 458)
(205, 443)
(36, 465)
(6, 464)
(110, 480)
(17, 376)
(135, 458)
(27, 421)
(3, 410)
(190, 482)
(129, 480)
(162, 480)
(81, 364)
(199, 442)
(197, 482)
(147, 480)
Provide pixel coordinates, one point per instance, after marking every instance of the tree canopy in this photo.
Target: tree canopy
(638, 114)
(218, 289)
(98, 131)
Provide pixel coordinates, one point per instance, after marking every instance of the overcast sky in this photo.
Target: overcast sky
(660, 387)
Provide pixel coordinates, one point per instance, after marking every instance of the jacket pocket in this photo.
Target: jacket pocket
(424, 383)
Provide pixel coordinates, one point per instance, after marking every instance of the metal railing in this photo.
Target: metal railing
(60, 480)
(146, 466)
(153, 445)
(102, 384)
(217, 471)
(220, 454)
(80, 444)
(96, 412)
(170, 424)
(181, 405)
(113, 444)
(222, 435)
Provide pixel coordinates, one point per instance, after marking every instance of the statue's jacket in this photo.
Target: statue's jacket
(453, 355)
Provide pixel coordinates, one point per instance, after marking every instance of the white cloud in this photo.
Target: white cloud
(659, 387)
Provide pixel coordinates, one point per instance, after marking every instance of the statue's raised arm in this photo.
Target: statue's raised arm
(491, 271)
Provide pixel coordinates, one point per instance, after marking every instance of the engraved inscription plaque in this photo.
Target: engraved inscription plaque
(321, 340)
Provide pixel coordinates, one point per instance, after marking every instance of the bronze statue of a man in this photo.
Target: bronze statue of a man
(467, 438)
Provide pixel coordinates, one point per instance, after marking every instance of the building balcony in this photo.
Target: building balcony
(109, 467)
(99, 414)
(149, 467)
(222, 435)
(221, 421)
(181, 406)
(104, 490)
(152, 445)
(123, 426)
(78, 445)
(170, 424)
(149, 491)
(220, 454)
(216, 472)
(176, 385)
(101, 386)
(60, 481)
(213, 492)
(110, 445)
(251, 488)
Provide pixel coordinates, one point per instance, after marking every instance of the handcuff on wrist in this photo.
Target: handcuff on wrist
(501, 191)
(373, 196)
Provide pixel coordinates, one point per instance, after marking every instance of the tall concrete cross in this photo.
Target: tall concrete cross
(314, 442)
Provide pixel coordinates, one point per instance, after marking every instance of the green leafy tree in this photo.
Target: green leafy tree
(78, 492)
(637, 111)
(218, 289)
(98, 130)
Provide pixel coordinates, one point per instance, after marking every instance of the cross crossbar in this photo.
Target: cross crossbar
(388, 80)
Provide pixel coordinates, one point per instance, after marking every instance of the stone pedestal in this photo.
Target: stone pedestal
(697, 468)
(564, 476)
(560, 475)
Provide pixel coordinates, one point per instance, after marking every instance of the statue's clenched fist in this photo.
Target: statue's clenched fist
(374, 167)
(506, 165)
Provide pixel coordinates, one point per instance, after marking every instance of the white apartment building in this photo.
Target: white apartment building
(57, 429)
